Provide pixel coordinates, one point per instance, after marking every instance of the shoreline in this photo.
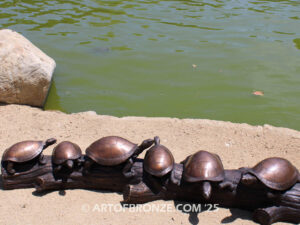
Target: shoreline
(238, 145)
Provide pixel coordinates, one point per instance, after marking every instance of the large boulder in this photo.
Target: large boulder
(25, 71)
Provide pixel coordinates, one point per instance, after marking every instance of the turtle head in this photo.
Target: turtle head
(248, 179)
(10, 168)
(49, 142)
(145, 144)
(156, 140)
(69, 164)
(206, 190)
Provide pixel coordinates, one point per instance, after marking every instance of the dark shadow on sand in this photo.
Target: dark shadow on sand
(237, 214)
(185, 207)
(63, 192)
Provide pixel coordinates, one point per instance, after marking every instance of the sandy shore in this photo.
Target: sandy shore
(237, 144)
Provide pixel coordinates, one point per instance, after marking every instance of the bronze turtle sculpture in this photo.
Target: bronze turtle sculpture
(159, 161)
(66, 154)
(205, 167)
(113, 151)
(274, 173)
(25, 151)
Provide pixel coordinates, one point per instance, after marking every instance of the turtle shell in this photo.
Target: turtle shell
(158, 161)
(23, 151)
(203, 166)
(111, 150)
(276, 173)
(64, 151)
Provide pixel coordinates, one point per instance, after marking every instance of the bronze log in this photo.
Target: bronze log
(269, 206)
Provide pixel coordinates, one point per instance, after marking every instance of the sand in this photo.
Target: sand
(237, 144)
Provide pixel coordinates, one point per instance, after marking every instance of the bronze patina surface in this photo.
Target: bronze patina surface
(203, 166)
(276, 173)
(23, 151)
(111, 150)
(158, 160)
(64, 151)
(206, 181)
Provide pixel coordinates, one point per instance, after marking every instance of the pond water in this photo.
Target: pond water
(185, 59)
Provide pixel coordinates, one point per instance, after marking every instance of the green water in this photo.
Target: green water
(135, 57)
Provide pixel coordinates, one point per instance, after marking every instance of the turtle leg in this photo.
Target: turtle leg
(266, 216)
(127, 172)
(173, 179)
(156, 184)
(76, 162)
(57, 169)
(80, 161)
(62, 190)
(206, 190)
(42, 159)
(69, 164)
(87, 165)
(227, 185)
(248, 179)
(39, 184)
(10, 168)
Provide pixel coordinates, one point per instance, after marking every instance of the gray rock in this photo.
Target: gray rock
(25, 71)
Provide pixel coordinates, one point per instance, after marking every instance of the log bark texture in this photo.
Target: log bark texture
(269, 206)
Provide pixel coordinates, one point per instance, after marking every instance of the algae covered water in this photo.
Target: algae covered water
(186, 59)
